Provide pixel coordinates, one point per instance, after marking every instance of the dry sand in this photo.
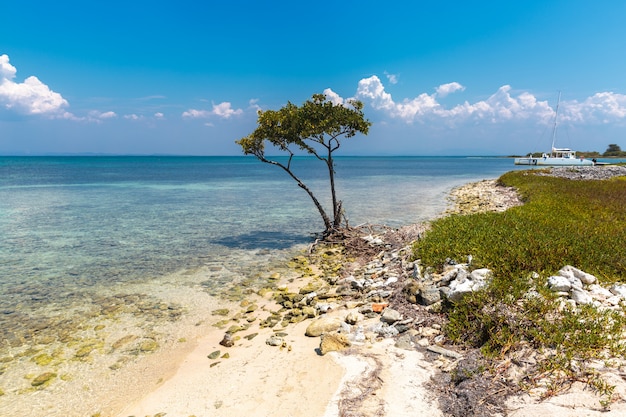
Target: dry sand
(261, 380)
(373, 379)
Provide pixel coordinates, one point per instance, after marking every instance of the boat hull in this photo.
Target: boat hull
(554, 162)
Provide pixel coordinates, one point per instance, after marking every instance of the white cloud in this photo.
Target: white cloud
(333, 97)
(159, 116)
(445, 89)
(502, 106)
(108, 115)
(225, 111)
(196, 114)
(392, 78)
(222, 110)
(132, 117)
(605, 107)
(371, 88)
(31, 97)
(253, 104)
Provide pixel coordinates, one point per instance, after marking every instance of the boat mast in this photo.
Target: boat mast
(556, 113)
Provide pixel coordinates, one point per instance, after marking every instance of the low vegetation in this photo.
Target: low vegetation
(580, 223)
(612, 151)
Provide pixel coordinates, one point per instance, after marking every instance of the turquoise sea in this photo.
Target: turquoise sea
(87, 221)
(99, 250)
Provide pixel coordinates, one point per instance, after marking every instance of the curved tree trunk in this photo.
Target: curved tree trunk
(327, 223)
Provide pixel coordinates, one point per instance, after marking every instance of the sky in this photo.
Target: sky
(188, 77)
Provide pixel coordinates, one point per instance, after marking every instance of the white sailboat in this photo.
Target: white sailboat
(558, 156)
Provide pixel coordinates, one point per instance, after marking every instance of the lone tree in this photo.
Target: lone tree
(316, 128)
(613, 150)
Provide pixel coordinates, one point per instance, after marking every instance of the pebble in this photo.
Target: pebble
(444, 352)
(227, 341)
(275, 341)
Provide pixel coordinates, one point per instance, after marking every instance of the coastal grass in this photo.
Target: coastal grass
(563, 222)
(581, 223)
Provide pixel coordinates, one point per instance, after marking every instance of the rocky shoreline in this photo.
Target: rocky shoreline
(363, 300)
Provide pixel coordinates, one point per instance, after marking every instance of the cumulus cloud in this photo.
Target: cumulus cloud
(222, 110)
(31, 97)
(372, 89)
(333, 97)
(605, 107)
(445, 89)
(504, 105)
(225, 111)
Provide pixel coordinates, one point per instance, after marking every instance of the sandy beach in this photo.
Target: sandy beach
(406, 373)
(373, 377)
(292, 381)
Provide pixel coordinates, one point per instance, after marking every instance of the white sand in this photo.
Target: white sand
(257, 380)
(295, 381)
(261, 380)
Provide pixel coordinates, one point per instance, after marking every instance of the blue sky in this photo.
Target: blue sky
(436, 78)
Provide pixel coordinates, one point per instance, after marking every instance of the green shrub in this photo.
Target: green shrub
(580, 223)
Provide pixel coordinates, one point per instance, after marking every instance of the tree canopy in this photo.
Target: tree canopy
(315, 128)
(613, 150)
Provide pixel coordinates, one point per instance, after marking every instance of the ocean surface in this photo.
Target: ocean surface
(92, 243)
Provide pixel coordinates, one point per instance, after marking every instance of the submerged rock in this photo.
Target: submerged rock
(43, 378)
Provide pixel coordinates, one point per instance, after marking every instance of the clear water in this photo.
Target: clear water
(86, 240)
(94, 220)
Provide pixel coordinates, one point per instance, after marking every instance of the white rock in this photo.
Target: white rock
(559, 283)
(576, 283)
(358, 336)
(482, 274)
(586, 278)
(614, 300)
(428, 332)
(459, 290)
(423, 342)
(619, 290)
(353, 317)
(478, 285)
(391, 280)
(599, 292)
(581, 296)
(324, 308)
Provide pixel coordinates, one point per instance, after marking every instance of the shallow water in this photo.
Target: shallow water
(96, 251)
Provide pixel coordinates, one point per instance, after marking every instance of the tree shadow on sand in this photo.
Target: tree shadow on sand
(264, 240)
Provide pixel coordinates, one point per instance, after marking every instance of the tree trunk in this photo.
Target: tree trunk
(336, 204)
(327, 223)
